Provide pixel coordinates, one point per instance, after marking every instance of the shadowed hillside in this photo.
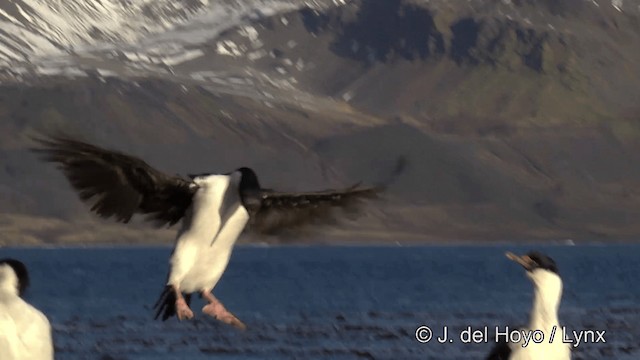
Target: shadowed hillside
(489, 120)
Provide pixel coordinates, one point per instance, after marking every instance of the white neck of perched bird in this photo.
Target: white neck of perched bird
(8, 280)
(546, 299)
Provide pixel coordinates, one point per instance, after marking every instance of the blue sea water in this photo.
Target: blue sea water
(326, 302)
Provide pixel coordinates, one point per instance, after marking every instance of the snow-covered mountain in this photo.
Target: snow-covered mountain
(133, 37)
(50, 37)
(33, 29)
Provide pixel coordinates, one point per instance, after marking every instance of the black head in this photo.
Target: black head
(250, 191)
(248, 179)
(534, 260)
(21, 273)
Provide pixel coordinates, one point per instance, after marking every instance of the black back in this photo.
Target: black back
(21, 272)
(249, 180)
(543, 261)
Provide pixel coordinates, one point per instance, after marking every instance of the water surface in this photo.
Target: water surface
(323, 302)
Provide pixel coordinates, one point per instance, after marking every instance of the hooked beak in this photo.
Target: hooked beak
(524, 260)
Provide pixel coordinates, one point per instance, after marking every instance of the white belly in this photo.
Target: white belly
(211, 260)
(204, 246)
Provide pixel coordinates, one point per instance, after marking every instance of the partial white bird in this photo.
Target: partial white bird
(25, 332)
(214, 209)
(547, 293)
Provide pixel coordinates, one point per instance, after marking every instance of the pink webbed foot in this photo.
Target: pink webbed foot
(218, 311)
(182, 310)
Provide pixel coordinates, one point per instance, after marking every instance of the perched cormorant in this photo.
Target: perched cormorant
(25, 332)
(547, 292)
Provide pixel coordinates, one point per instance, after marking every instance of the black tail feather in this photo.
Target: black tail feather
(166, 304)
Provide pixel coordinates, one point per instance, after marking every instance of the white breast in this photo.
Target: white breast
(25, 333)
(209, 233)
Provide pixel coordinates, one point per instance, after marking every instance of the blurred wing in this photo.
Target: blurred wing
(281, 211)
(118, 185)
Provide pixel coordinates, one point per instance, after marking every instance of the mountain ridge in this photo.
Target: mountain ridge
(513, 119)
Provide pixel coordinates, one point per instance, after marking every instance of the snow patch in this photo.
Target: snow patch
(182, 57)
(228, 48)
(160, 32)
(249, 32)
(255, 55)
(617, 4)
(106, 73)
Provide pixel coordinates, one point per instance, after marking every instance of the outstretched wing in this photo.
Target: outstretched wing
(116, 184)
(280, 211)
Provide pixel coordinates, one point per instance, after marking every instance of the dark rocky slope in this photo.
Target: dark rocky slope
(511, 120)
